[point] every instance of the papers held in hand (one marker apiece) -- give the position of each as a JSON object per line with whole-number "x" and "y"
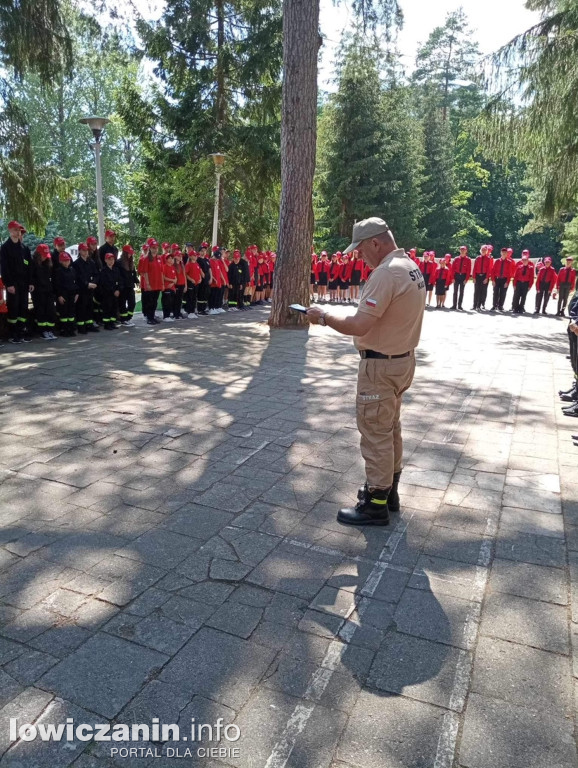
{"x": 298, "y": 308}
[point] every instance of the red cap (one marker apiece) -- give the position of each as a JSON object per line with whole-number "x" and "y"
{"x": 412, "y": 250}
{"x": 510, "y": 251}
{"x": 64, "y": 257}
{"x": 91, "y": 240}
{"x": 169, "y": 255}
{"x": 82, "y": 247}
{"x": 43, "y": 249}
{"x": 548, "y": 258}
{"x": 204, "y": 245}
{"x": 175, "y": 247}
{"x": 178, "y": 254}
{"x": 569, "y": 258}
{"x": 152, "y": 243}
{"x": 128, "y": 249}
{"x": 525, "y": 253}
{"x": 215, "y": 248}
{"x": 23, "y": 229}
{"x": 324, "y": 253}
{"x": 109, "y": 256}
{"x": 166, "y": 246}
{"x": 490, "y": 247}
{"x": 14, "y": 225}
{"x": 448, "y": 256}
{"x": 110, "y": 233}
{"x": 463, "y": 247}
{"x": 59, "y": 241}
{"x": 238, "y": 253}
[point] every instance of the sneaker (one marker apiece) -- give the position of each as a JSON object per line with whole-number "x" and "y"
{"x": 52, "y": 337}
{"x": 168, "y": 319}
{"x": 233, "y": 309}
{"x": 151, "y": 322}
{"x": 212, "y": 312}
{"x": 46, "y": 335}
{"x": 193, "y": 316}
{"x": 26, "y": 339}
{"x": 185, "y": 316}
{"x": 15, "y": 340}
{"x": 129, "y": 324}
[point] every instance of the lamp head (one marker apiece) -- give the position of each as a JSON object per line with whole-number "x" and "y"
{"x": 96, "y": 125}
{"x": 218, "y": 159}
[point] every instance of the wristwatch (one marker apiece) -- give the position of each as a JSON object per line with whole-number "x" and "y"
{"x": 322, "y": 320}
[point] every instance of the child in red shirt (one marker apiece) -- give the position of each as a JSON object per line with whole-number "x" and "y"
{"x": 180, "y": 286}
{"x": 169, "y": 288}
{"x": 194, "y": 276}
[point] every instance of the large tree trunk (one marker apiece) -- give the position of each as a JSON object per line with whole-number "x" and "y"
{"x": 298, "y": 146}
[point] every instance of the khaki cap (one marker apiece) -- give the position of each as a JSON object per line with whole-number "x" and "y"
{"x": 366, "y": 229}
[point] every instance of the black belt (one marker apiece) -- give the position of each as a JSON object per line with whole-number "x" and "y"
{"x": 370, "y": 354}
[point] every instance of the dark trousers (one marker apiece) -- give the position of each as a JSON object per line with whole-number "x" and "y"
{"x": 542, "y": 298}
{"x": 126, "y": 304}
{"x": 17, "y": 306}
{"x": 520, "y": 293}
{"x": 84, "y": 309}
{"x": 149, "y": 301}
{"x": 67, "y": 312}
{"x": 500, "y": 290}
{"x": 216, "y": 298}
{"x": 237, "y": 296}
{"x": 44, "y": 309}
{"x": 109, "y": 308}
{"x": 168, "y": 302}
{"x": 573, "y": 352}
{"x": 97, "y": 306}
{"x": 202, "y": 297}
{"x": 459, "y": 285}
{"x": 178, "y": 301}
{"x": 480, "y": 291}
{"x": 563, "y": 293}
{"x": 191, "y": 300}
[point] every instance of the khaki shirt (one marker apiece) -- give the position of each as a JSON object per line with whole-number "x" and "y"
{"x": 394, "y": 293}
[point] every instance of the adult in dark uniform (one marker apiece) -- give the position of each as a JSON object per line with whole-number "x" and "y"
{"x": 108, "y": 246}
{"x": 386, "y": 331}
{"x": 238, "y": 276}
{"x": 15, "y": 273}
{"x": 204, "y": 286}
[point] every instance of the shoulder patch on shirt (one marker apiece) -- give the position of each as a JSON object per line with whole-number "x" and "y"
{"x": 371, "y": 302}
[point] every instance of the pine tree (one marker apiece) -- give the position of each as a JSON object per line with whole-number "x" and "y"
{"x": 439, "y": 188}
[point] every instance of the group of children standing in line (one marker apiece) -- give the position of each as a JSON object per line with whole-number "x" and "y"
{"x": 98, "y": 288}
{"x": 337, "y": 279}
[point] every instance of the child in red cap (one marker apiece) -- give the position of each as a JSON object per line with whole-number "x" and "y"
{"x": 169, "y": 288}
{"x": 128, "y": 281}
{"x": 66, "y": 290}
{"x": 43, "y": 293}
{"x": 109, "y": 285}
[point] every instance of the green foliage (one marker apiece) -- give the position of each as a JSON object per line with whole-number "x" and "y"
{"x": 533, "y": 114}
{"x": 439, "y": 219}
{"x": 570, "y": 241}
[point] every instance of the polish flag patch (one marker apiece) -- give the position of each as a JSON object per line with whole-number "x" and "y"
{"x": 371, "y": 302}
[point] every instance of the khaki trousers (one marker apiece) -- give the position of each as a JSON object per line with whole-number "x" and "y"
{"x": 380, "y": 386}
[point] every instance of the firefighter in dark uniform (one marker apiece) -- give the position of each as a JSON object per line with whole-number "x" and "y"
{"x": 15, "y": 273}
{"x": 204, "y": 287}
{"x": 87, "y": 280}
{"x": 66, "y": 290}
{"x": 108, "y": 246}
{"x": 59, "y": 247}
{"x": 109, "y": 284}
{"x": 238, "y": 278}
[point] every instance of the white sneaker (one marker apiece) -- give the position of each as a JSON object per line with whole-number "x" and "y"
{"x": 130, "y": 324}
{"x": 46, "y": 335}
{"x": 221, "y": 311}
{"x": 168, "y": 319}
{"x": 185, "y": 316}
{"x": 233, "y": 309}
{"x": 193, "y": 317}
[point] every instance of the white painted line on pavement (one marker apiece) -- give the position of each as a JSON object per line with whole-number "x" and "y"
{"x": 321, "y": 677}
{"x": 446, "y": 749}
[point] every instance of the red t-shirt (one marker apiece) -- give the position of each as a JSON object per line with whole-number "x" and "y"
{"x": 180, "y": 270}
{"x": 193, "y": 272}
{"x": 169, "y": 273}
{"x": 154, "y": 269}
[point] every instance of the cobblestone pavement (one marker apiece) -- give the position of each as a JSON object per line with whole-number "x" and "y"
{"x": 168, "y": 548}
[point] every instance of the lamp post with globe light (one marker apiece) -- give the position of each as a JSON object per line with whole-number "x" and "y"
{"x": 219, "y": 160}
{"x": 97, "y": 125}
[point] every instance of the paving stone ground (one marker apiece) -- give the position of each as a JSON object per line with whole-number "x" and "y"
{"x": 169, "y": 549}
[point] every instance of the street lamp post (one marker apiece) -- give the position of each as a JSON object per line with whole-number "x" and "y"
{"x": 96, "y": 125}
{"x": 219, "y": 160}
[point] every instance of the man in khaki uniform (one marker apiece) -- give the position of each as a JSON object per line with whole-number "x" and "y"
{"x": 386, "y": 331}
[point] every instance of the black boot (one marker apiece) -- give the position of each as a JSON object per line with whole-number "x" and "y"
{"x": 569, "y": 397}
{"x": 393, "y": 504}
{"x": 572, "y": 411}
{"x": 371, "y": 510}
{"x": 567, "y": 391}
